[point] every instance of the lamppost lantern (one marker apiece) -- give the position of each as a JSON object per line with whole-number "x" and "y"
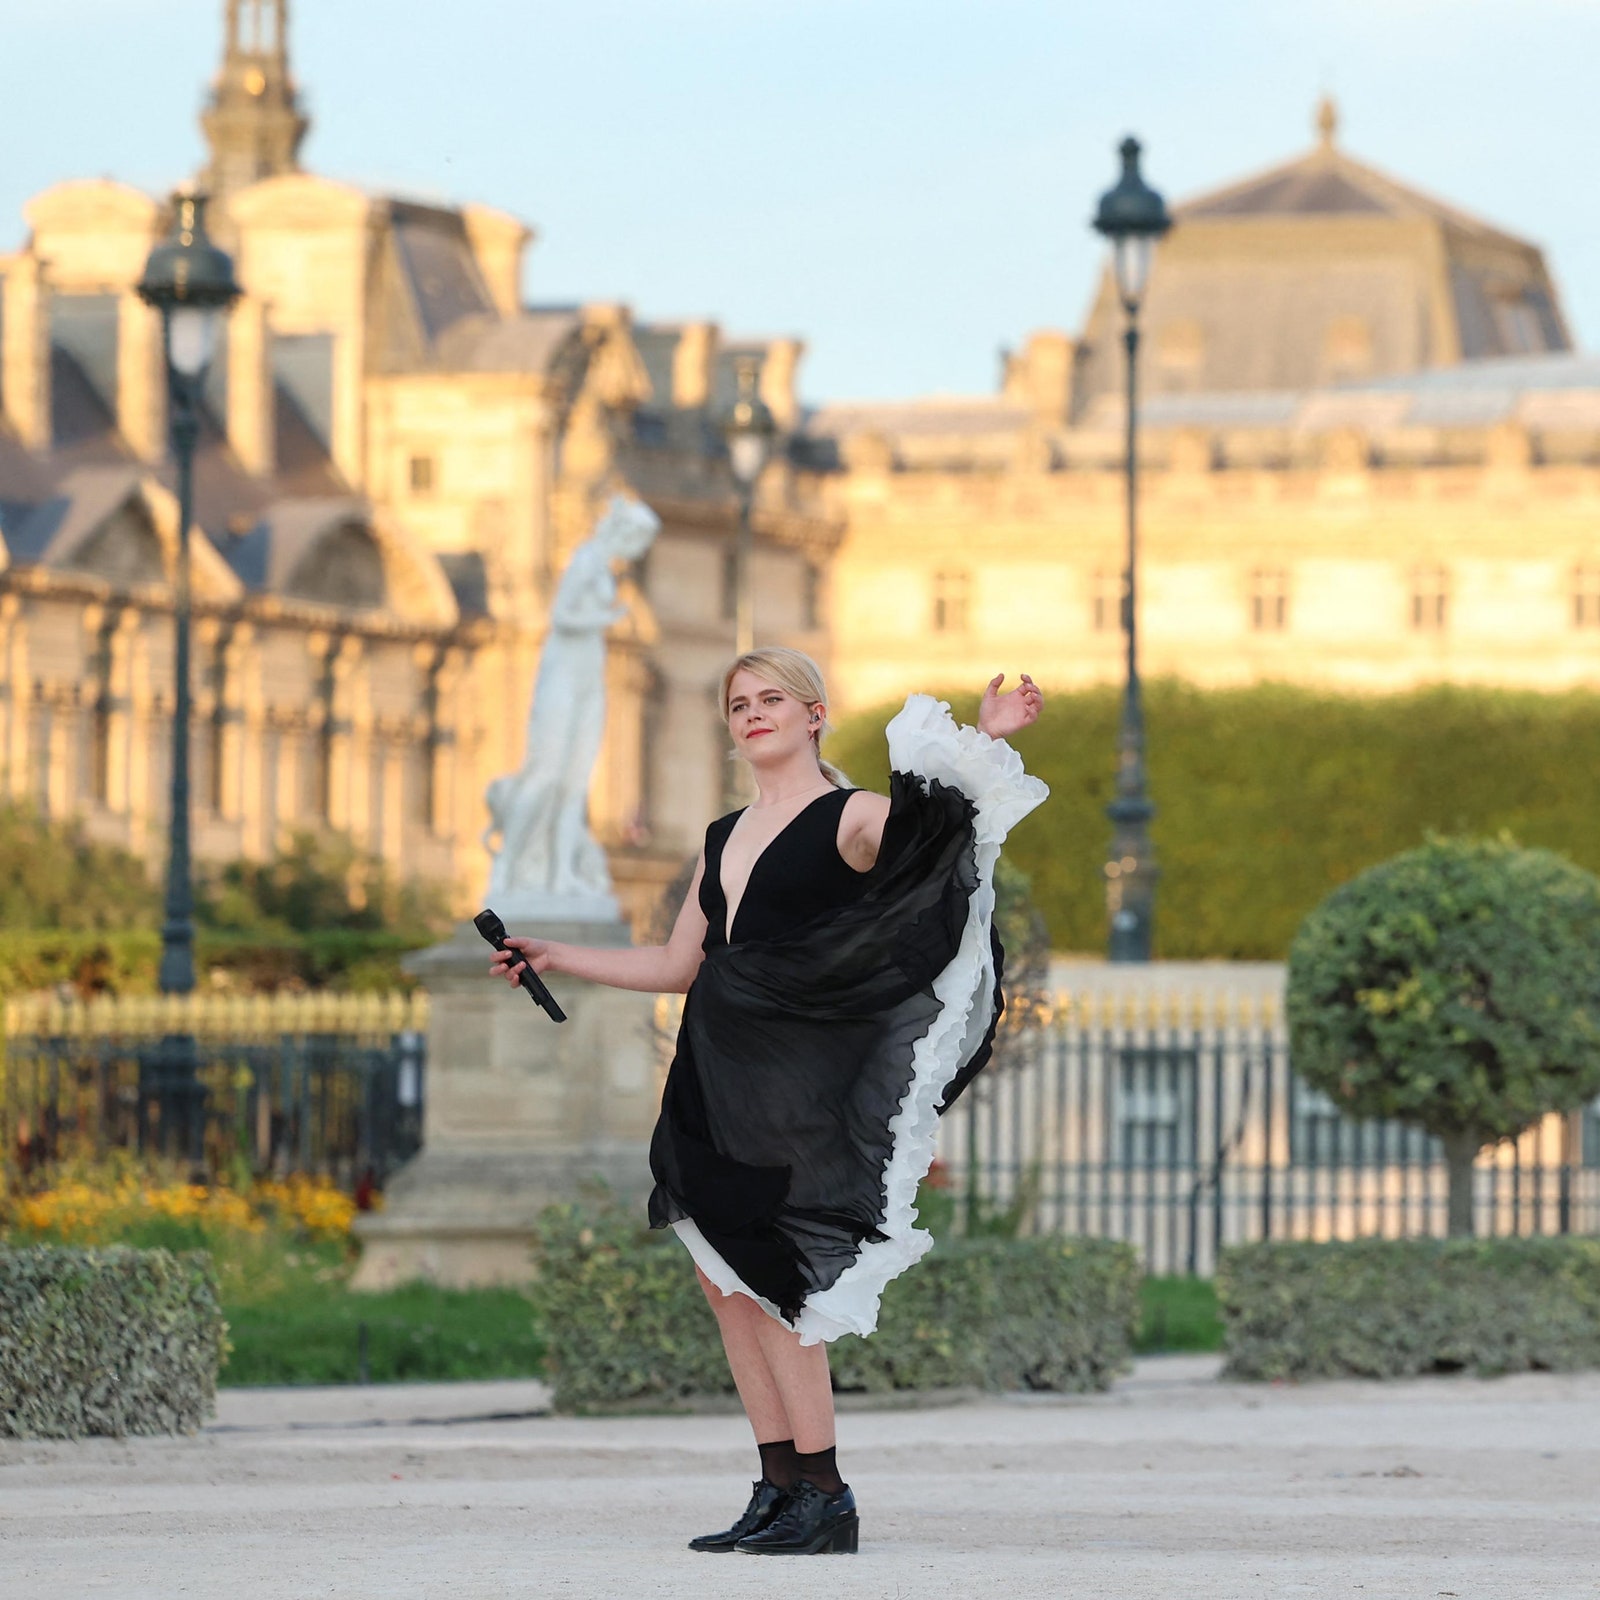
{"x": 749, "y": 428}
{"x": 1132, "y": 216}
{"x": 191, "y": 283}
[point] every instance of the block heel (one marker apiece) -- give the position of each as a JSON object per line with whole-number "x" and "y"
{"x": 811, "y": 1523}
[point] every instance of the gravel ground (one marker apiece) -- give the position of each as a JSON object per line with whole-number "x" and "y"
{"x": 1174, "y": 1485}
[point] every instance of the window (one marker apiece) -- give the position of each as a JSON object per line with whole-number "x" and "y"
{"x": 810, "y": 598}
{"x": 1430, "y": 599}
{"x": 1321, "y": 1135}
{"x": 951, "y": 591}
{"x": 1586, "y": 597}
{"x": 1153, "y": 1109}
{"x": 1517, "y": 323}
{"x": 1347, "y": 348}
{"x": 1269, "y": 600}
{"x": 1591, "y": 1134}
{"x": 421, "y": 474}
{"x": 1105, "y": 601}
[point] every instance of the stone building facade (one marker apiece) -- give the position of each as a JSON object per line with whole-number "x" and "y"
{"x": 396, "y": 459}
{"x": 1370, "y": 459}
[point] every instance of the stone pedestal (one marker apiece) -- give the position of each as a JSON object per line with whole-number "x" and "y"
{"x": 520, "y": 1112}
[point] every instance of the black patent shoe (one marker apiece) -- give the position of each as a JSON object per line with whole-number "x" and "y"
{"x": 766, "y": 1501}
{"x": 811, "y": 1523}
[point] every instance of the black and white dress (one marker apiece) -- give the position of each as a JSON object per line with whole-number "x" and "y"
{"x": 828, "y": 1028}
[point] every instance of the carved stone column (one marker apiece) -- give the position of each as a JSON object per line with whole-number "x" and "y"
{"x": 16, "y": 687}
{"x": 341, "y": 692}
{"x": 121, "y": 632}
{"x": 141, "y": 732}
{"x": 288, "y": 746}
{"x": 59, "y": 799}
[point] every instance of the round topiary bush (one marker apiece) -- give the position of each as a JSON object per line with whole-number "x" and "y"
{"x": 1455, "y": 987}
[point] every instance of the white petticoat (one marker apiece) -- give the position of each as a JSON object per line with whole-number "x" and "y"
{"x": 925, "y": 739}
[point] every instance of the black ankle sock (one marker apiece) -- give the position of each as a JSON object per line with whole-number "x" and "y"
{"x": 780, "y": 1463}
{"x": 818, "y": 1467}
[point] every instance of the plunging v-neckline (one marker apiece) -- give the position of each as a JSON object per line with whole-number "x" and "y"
{"x": 730, "y": 913}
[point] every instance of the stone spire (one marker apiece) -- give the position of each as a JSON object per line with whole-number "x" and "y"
{"x": 253, "y": 123}
{"x": 1327, "y": 122}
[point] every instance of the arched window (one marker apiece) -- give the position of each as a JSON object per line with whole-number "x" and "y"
{"x": 951, "y": 594}
{"x": 1430, "y": 599}
{"x": 343, "y": 568}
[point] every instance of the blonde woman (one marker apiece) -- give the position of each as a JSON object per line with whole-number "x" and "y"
{"x": 842, "y": 984}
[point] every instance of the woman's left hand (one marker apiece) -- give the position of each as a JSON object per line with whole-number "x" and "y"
{"x": 1001, "y": 715}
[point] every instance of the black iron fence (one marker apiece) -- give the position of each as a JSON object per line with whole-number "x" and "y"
{"x": 329, "y": 1084}
{"x": 1178, "y": 1125}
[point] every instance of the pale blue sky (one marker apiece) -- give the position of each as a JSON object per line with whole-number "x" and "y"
{"x": 904, "y": 183}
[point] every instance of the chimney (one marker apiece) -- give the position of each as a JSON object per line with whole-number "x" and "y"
{"x": 141, "y": 378}
{"x": 498, "y": 241}
{"x": 252, "y": 418}
{"x": 694, "y": 365}
{"x": 1041, "y": 377}
{"x": 25, "y": 360}
{"x": 779, "y": 371}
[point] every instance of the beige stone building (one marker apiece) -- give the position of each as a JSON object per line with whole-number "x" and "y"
{"x": 397, "y": 457}
{"x": 1370, "y": 460}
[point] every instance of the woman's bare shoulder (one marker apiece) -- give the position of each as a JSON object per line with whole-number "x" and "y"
{"x": 861, "y": 827}
{"x": 865, "y": 803}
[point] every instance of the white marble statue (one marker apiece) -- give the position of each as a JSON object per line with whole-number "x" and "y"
{"x": 547, "y": 864}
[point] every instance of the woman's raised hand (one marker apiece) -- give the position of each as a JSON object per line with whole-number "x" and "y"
{"x": 519, "y": 953}
{"x": 1001, "y": 715}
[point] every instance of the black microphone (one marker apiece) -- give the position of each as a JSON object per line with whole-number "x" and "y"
{"x": 494, "y": 930}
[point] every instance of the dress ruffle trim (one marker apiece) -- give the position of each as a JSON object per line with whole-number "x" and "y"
{"x": 923, "y": 739}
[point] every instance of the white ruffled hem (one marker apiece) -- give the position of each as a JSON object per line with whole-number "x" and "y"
{"x": 925, "y": 739}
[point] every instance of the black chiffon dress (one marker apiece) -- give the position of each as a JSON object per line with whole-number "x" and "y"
{"x": 821, "y": 1039}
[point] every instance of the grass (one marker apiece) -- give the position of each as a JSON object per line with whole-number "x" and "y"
{"x": 293, "y": 1318}
{"x": 1178, "y": 1314}
{"x": 414, "y": 1334}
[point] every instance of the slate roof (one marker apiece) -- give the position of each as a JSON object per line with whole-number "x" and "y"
{"x": 1326, "y": 181}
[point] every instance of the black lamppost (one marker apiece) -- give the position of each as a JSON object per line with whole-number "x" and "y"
{"x": 190, "y": 282}
{"x": 1132, "y": 216}
{"x": 749, "y": 428}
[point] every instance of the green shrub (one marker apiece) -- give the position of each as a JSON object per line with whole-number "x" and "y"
{"x": 1391, "y": 1308}
{"x": 53, "y": 875}
{"x": 126, "y": 961}
{"x": 1457, "y": 988}
{"x": 113, "y": 1341}
{"x": 627, "y": 1321}
{"x": 1269, "y": 797}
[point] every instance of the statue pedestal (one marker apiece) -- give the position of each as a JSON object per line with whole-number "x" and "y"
{"x": 520, "y": 1112}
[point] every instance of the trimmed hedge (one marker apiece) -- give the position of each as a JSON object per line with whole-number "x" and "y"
{"x": 628, "y": 1323}
{"x": 126, "y": 961}
{"x": 1393, "y": 1308}
{"x": 1267, "y": 798}
{"x": 113, "y": 1341}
